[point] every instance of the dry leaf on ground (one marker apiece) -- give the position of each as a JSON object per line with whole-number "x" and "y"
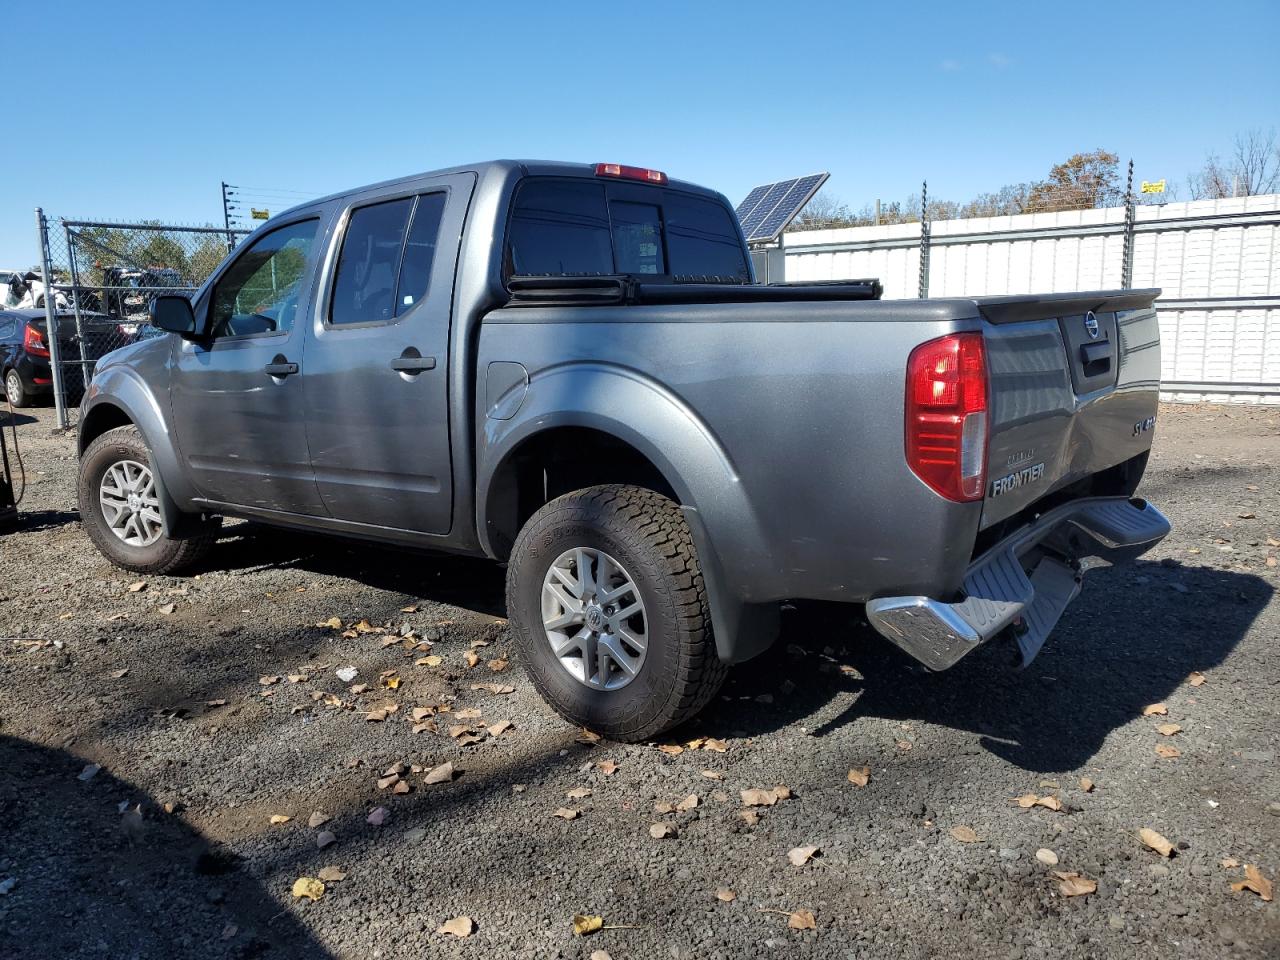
{"x": 670, "y": 749}
{"x": 688, "y": 803}
{"x": 280, "y": 818}
{"x": 713, "y": 774}
{"x": 758, "y": 797}
{"x": 499, "y": 728}
{"x": 1047, "y": 857}
{"x": 964, "y": 834}
{"x": 1255, "y": 881}
{"x": 717, "y": 746}
{"x": 799, "y": 856}
{"x": 1155, "y": 710}
{"x": 1168, "y": 729}
{"x": 662, "y": 831}
{"x": 459, "y": 927}
{"x": 566, "y": 813}
{"x": 471, "y": 658}
{"x": 1086, "y": 784}
{"x": 1156, "y": 842}
{"x": 331, "y": 874}
{"x": 588, "y": 737}
{"x": 317, "y": 819}
{"x": 268, "y": 681}
{"x": 860, "y": 776}
{"x": 308, "y": 887}
{"x": 498, "y": 664}
{"x": 1166, "y": 752}
{"x": 498, "y": 688}
{"x": 584, "y": 924}
{"x": 607, "y": 767}
{"x": 1195, "y": 678}
{"x": 577, "y": 793}
{"x": 750, "y": 816}
{"x": 1074, "y": 885}
{"x": 600, "y": 955}
{"x": 725, "y": 894}
{"x": 135, "y": 587}
{"x": 441, "y": 774}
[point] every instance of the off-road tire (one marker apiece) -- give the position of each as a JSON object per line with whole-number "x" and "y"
{"x": 15, "y": 390}
{"x": 648, "y": 535}
{"x": 165, "y": 555}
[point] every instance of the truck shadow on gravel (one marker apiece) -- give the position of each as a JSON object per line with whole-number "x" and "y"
{"x": 1129, "y": 640}
{"x": 90, "y": 880}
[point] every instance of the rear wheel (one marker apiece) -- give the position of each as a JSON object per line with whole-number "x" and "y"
{"x": 607, "y": 602}
{"x": 15, "y": 390}
{"x": 120, "y": 507}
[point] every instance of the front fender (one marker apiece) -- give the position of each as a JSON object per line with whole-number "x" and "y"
{"x": 642, "y": 413}
{"x": 122, "y": 388}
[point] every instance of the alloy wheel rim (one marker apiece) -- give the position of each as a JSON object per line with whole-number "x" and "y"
{"x": 130, "y": 503}
{"x": 594, "y": 618}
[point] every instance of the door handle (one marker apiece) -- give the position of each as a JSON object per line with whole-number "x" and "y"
{"x": 279, "y": 367}
{"x": 411, "y": 362}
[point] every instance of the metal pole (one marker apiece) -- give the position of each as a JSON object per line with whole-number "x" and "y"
{"x": 1126, "y": 264}
{"x": 226, "y": 218}
{"x": 85, "y": 370}
{"x": 51, "y": 318}
{"x": 924, "y": 240}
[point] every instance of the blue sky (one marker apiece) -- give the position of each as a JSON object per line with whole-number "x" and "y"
{"x": 153, "y": 105}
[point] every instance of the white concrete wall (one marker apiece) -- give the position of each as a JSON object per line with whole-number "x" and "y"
{"x": 1210, "y": 343}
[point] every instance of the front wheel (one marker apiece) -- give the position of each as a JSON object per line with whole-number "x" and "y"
{"x": 610, "y": 614}
{"x": 120, "y": 507}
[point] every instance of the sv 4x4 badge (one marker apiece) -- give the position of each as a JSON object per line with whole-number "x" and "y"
{"x": 1142, "y": 426}
{"x": 1019, "y": 478}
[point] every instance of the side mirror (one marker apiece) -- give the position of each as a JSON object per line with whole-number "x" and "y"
{"x": 173, "y": 314}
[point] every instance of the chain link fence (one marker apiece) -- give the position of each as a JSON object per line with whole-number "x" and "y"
{"x": 97, "y": 283}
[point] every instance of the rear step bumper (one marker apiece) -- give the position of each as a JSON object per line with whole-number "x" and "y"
{"x": 998, "y": 591}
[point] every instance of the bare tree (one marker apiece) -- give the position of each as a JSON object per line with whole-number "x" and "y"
{"x": 1252, "y": 168}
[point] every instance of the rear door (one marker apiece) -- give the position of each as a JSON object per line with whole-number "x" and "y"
{"x": 1075, "y": 384}
{"x": 376, "y": 381}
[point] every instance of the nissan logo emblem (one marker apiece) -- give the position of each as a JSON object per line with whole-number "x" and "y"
{"x": 1091, "y": 324}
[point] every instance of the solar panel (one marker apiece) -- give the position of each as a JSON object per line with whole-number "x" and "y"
{"x": 769, "y": 208}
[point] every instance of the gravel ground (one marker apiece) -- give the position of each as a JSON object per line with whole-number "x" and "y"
{"x": 168, "y": 850}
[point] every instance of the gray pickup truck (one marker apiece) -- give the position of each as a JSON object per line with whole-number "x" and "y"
{"x": 567, "y": 368}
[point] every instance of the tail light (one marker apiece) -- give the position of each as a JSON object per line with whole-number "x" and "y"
{"x": 623, "y": 172}
{"x": 947, "y": 415}
{"x": 33, "y": 342}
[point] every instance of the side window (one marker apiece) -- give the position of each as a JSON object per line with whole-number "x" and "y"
{"x": 259, "y": 292}
{"x": 560, "y": 228}
{"x": 364, "y": 289}
{"x": 419, "y": 252}
{"x": 637, "y": 237}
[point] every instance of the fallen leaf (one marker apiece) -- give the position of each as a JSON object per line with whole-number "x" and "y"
{"x": 662, "y": 831}
{"x": 392, "y": 682}
{"x": 432, "y": 661}
{"x": 583, "y": 924}
{"x": 166, "y": 608}
{"x": 498, "y": 688}
{"x": 1026, "y": 801}
{"x": 588, "y": 737}
{"x": 1049, "y": 803}
{"x": 696, "y": 743}
{"x": 308, "y": 887}
{"x": 401, "y": 788}
{"x": 717, "y": 746}
{"x": 498, "y": 664}
{"x": 317, "y": 819}
{"x": 757, "y": 797}
{"x": 1154, "y": 710}
{"x": 577, "y": 793}
{"x": 421, "y": 713}
{"x": 324, "y": 838}
{"x": 713, "y": 774}
{"x": 268, "y": 681}
{"x": 1166, "y": 752}
{"x": 664, "y": 806}
{"x": 459, "y": 927}
{"x": 566, "y": 813}
{"x": 687, "y": 804}
{"x": 1255, "y": 881}
{"x": 1230, "y": 863}
{"x": 600, "y": 955}
{"x": 964, "y": 834}
{"x": 1196, "y": 678}
{"x": 1086, "y": 785}
{"x": 471, "y": 713}
{"x": 799, "y": 856}
{"x": 331, "y": 874}
{"x": 1169, "y": 729}
{"x": 499, "y": 728}
{"x": 670, "y": 749}
{"x": 1156, "y": 842}
{"x": 364, "y": 626}
{"x": 750, "y": 816}
{"x": 280, "y": 818}
{"x": 904, "y": 745}
{"x": 607, "y": 767}
{"x": 378, "y": 816}
{"x": 390, "y": 780}
{"x": 725, "y": 895}
{"x": 1074, "y": 885}
{"x": 135, "y": 587}
{"x": 860, "y": 776}
{"x": 429, "y": 725}
{"x": 441, "y": 774}
{"x": 802, "y": 920}
{"x": 119, "y": 674}
{"x": 333, "y": 623}
{"x": 471, "y": 658}
{"x": 412, "y": 608}
{"x": 1047, "y": 857}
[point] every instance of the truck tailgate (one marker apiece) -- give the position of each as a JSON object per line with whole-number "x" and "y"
{"x": 1074, "y": 387}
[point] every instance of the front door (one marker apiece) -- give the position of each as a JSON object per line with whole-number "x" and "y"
{"x": 238, "y": 409}
{"x": 376, "y": 380}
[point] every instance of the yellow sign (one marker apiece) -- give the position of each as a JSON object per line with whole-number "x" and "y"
{"x": 1153, "y": 186}
{"x": 266, "y": 214}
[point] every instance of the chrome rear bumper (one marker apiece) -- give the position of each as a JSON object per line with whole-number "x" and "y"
{"x": 1000, "y": 591}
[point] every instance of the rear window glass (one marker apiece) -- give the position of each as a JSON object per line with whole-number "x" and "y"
{"x": 579, "y": 228}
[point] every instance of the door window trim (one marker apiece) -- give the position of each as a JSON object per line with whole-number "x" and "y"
{"x": 212, "y": 342}
{"x": 340, "y": 237}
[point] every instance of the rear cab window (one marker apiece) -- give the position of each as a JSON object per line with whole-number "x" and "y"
{"x": 586, "y": 228}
